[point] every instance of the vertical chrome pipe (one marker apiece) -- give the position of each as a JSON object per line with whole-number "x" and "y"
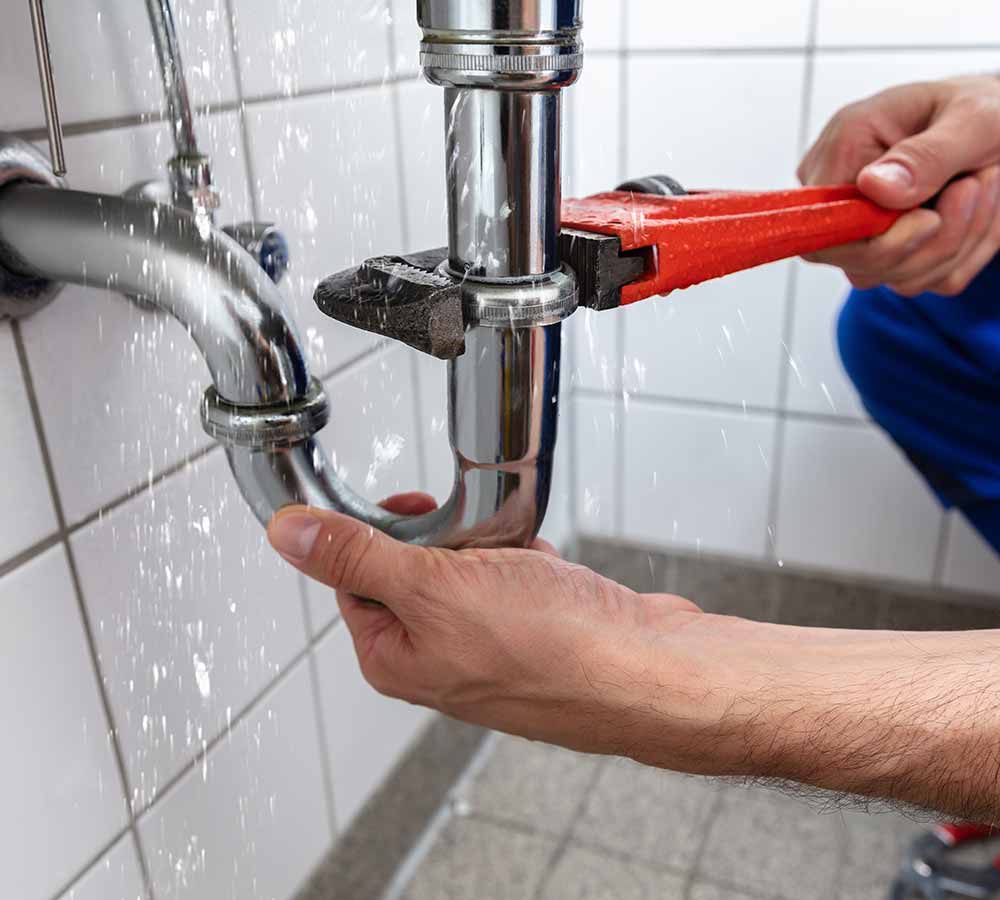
{"x": 47, "y": 83}
{"x": 502, "y": 149}
{"x": 161, "y": 19}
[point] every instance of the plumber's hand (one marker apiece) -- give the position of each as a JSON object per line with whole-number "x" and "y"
{"x": 517, "y": 640}
{"x": 902, "y": 147}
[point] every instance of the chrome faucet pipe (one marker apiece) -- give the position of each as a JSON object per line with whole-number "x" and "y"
{"x": 196, "y": 273}
{"x": 168, "y": 53}
{"x": 265, "y": 407}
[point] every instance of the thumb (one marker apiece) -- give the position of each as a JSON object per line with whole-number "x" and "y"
{"x": 348, "y": 555}
{"x": 918, "y": 167}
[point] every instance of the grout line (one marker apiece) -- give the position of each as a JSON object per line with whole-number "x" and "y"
{"x": 25, "y": 556}
{"x": 248, "y": 165}
{"x": 63, "y": 538}
{"x": 324, "y": 750}
{"x": 29, "y": 553}
{"x": 156, "y": 479}
{"x": 940, "y": 552}
{"x": 694, "y": 873}
{"x": 444, "y": 814}
{"x": 675, "y": 50}
{"x": 725, "y": 406}
{"x": 226, "y": 732}
{"x": 791, "y": 304}
{"x": 380, "y": 348}
{"x": 620, "y": 407}
{"x": 113, "y": 123}
{"x": 567, "y": 836}
{"x": 71, "y": 882}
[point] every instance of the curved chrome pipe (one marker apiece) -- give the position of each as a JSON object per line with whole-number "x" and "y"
{"x": 503, "y": 402}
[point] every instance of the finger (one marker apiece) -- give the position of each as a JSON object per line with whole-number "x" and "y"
{"x": 962, "y": 139}
{"x": 958, "y": 208}
{"x": 980, "y": 244}
{"x": 414, "y": 503}
{"x": 879, "y": 255}
{"x": 346, "y": 554}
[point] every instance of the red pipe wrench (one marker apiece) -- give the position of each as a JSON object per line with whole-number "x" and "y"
{"x": 625, "y": 245}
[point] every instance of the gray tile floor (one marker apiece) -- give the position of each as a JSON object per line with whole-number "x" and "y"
{"x": 540, "y": 823}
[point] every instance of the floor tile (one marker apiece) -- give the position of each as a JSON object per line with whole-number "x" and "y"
{"x": 366, "y": 857}
{"x": 115, "y": 877}
{"x": 641, "y": 570}
{"x": 826, "y": 603}
{"x": 20, "y": 453}
{"x": 194, "y": 614}
{"x": 250, "y": 820}
{"x": 650, "y": 814}
{"x": 58, "y": 779}
{"x": 366, "y": 733}
{"x": 584, "y": 874}
{"x": 726, "y": 588}
{"x": 915, "y": 613}
{"x": 533, "y": 784}
{"x": 876, "y": 846}
{"x": 707, "y": 890}
{"x": 474, "y": 859}
{"x": 773, "y": 845}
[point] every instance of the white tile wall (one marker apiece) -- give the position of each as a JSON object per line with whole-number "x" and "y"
{"x": 250, "y": 819}
{"x": 817, "y": 382}
{"x": 850, "y": 501}
{"x": 326, "y": 169}
{"x": 596, "y": 439}
{"x": 970, "y": 563}
{"x": 653, "y": 24}
{"x": 303, "y": 45}
{"x": 364, "y": 730}
{"x": 725, "y": 96}
{"x": 115, "y": 877}
{"x": 898, "y": 23}
{"x": 104, "y": 61}
{"x": 715, "y": 121}
{"x": 28, "y": 493}
{"x": 371, "y": 440}
{"x": 62, "y": 794}
{"x": 719, "y": 341}
{"x": 714, "y": 96}
{"x": 697, "y": 478}
{"x": 193, "y": 616}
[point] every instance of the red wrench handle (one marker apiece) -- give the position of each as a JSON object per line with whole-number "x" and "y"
{"x": 699, "y": 236}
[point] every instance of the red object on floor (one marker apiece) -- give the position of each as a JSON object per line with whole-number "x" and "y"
{"x": 702, "y": 235}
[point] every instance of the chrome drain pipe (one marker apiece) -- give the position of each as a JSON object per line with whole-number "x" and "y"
{"x": 502, "y": 65}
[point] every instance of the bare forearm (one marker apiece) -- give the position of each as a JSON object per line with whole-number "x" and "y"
{"x": 908, "y": 717}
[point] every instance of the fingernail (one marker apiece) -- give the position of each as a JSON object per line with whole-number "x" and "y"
{"x": 293, "y": 536}
{"x": 893, "y": 173}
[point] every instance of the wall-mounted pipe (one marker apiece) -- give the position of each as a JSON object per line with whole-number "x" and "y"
{"x": 503, "y": 392}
